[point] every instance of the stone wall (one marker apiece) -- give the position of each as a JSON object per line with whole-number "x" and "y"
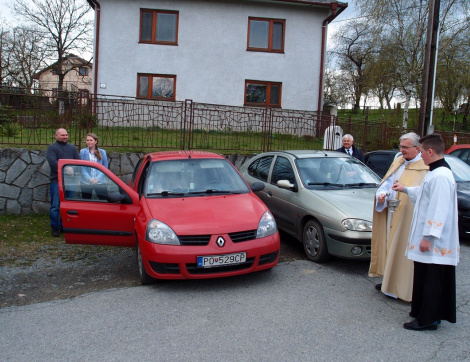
{"x": 24, "y": 178}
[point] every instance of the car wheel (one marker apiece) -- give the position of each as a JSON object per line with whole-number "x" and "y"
{"x": 145, "y": 279}
{"x": 314, "y": 242}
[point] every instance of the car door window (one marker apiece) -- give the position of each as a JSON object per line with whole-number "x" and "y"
{"x": 87, "y": 183}
{"x": 282, "y": 171}
{"x": 260, "y": 168}
{"x": 465, "y": 156}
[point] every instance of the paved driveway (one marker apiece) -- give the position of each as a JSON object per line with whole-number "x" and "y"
{"x": 299, "y": 311}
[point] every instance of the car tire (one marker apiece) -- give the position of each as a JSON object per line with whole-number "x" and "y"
{"x": 145, "y": 279}
{"x": 313, "y": 240}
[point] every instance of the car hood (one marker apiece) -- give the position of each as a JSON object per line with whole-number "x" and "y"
{"x": 357, "y": 203}
{"x": 209, "y": 214}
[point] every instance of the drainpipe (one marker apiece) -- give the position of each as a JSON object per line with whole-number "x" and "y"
{"x": 334, "y": 13}
{"x": 97, "y": 8}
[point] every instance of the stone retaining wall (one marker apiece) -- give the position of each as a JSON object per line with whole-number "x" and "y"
{"x": 24, "y": 178}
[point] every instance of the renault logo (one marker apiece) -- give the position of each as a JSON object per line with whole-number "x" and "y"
{"x": 220, "y": 241}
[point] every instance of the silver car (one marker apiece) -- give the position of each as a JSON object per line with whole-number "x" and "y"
{"x": 322, "y": 198}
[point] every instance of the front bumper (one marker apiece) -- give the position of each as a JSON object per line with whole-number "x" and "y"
{"x": 180, "y": 261}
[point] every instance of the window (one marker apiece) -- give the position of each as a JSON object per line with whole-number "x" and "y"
{"x": 260, "y": 168}
{"x": 259, "y": 93}
{"x": 77, "y": 186}
{"x": 282, "y": 171}
{"x": 159, "y": 27}
{"x": 156, "y": 86}
{"x": 266, "y": 35}
{"x": 83, "y": 71}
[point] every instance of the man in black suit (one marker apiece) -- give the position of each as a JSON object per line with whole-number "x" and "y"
{"x": 349, "y": 149}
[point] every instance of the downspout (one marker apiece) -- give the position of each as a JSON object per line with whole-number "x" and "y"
{"x": 329, "y": 19}
{"x": 97, "y": 8}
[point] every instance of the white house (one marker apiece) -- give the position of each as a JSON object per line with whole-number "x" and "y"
{"x": 257, "y": 53}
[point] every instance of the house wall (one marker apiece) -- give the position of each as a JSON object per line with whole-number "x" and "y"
{"x": 211, "y": 61}
{"x": 47, "y": 80}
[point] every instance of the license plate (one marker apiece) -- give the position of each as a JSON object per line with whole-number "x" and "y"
{"x": 210, "y": 261}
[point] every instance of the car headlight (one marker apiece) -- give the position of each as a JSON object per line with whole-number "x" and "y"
{"x": 160, "y": 233}
{"x": 267, "y": 226}
{"x": 357, "y": 224}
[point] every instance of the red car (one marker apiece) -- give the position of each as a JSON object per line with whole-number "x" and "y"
{"x": 461, "y": 151}
{"x": 189, "y": 214}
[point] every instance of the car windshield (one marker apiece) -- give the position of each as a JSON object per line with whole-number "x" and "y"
{"x": 336, "y": 172}
{"x": 193, "y": 177}
{"x": 459, "y": 168}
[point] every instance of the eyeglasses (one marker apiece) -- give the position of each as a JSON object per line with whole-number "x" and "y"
{"x": 407, "y": 147}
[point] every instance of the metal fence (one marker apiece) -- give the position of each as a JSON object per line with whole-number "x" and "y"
{"x": 130, "y": 124}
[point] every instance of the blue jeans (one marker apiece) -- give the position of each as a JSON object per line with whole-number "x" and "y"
{"x": 54, "y": 213}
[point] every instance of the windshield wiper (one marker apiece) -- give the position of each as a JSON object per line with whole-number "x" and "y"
{"x": 213, "y": 191}
{"x": 324, "y": 184}
{"x": 359, "y": 184}
{"x": 166, "y": 193}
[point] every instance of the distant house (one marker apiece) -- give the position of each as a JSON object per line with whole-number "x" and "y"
{"x": 78, "y": 77}
{"x": 267, "y": 53}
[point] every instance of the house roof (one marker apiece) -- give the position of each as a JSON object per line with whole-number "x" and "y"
{"x": 341, "y": 4}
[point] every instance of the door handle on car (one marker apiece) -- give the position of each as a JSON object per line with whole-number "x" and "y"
{"x": 72, "y": 212}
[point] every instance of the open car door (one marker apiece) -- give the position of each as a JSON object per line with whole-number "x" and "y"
{"x": 102, "y": 214}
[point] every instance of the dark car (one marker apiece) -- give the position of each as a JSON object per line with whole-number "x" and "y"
{"x": 380, "y": 161}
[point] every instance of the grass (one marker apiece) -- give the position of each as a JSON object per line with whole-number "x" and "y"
{"x": 27, "y": 238}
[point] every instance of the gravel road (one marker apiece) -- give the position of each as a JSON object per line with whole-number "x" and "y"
{"x": 67, "y": 271}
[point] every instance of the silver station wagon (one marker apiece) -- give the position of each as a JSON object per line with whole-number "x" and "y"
{"x": 322, "y": 198}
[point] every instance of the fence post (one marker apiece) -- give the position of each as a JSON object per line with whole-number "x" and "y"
{"x": 366, "y": 125}
{"x": 187, "y": 124}
{"x": 267, "y": 129}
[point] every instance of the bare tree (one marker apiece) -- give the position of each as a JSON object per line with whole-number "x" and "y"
{"x": 404, "y": 23}
{"x": 28, "y": 54}
{"x": 354, "y": 48}
{"x": 63, "y": 23}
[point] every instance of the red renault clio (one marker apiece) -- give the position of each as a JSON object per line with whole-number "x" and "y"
{"x": 189, "y": 214}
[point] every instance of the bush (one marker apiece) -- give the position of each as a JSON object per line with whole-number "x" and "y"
{"x": 10, "y": 129}
{"x": 6, "y": 115}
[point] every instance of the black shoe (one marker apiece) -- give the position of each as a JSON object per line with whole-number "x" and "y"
{"x": 414, "y": 326}
{"x": 378, "y": 286}
{"x": 56, "y": 233}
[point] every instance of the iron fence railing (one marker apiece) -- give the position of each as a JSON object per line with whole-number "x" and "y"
{"x": 126, "y": 123}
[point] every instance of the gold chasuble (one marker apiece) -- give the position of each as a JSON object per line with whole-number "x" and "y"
{"x": 388, "y": 256}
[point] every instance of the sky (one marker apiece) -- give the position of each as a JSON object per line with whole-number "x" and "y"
{"x": 346, "y": 15}
{"x": 5, "y": 12}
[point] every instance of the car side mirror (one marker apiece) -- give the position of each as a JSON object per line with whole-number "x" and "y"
{"x": 285, "y": 184}
{"x": 117, "y": 197}
{"x": 257, "y": 186}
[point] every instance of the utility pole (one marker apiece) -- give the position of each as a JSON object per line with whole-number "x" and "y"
{"x": 430, "y": 61}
